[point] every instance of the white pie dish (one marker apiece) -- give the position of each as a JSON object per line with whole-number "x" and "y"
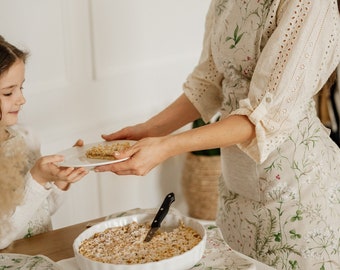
{"x": 181, "y": 262}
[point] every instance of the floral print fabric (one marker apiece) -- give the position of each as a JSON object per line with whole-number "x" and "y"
{"x": 280, "y": 193}
{"x": 26, "y": 262}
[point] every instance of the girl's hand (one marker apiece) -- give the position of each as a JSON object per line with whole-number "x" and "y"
{"x": 79, "y": 142}
{"x": 45, "y": 170}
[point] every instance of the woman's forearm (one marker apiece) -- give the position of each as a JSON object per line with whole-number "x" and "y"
{"x": 175, "y": 116}
{"x": 226, "y": 132}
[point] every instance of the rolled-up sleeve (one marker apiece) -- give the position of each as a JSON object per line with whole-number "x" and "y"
{"x": 296, "y": 61}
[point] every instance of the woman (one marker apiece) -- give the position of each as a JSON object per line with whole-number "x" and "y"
{"x": 261, "y": 65}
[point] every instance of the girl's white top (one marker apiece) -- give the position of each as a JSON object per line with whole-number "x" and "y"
{"x": 33, "y": 215}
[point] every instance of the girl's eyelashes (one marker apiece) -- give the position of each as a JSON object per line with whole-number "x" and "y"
{"x": 7, "y": 94}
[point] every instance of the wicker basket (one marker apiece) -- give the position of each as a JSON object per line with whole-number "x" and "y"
{"x": 200, "y": 185}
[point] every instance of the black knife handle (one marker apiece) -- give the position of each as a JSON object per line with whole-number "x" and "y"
{"x": 163, "y": 210}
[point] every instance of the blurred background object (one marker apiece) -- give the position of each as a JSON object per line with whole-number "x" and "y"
{"x": 328, "y": 106}
{"x": 201, "y": 173}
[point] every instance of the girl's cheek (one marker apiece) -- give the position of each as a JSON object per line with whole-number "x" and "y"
{"x": 4, "y": 110}
{"x": 1, "y": 108}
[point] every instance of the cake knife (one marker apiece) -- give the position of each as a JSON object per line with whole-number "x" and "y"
{"x": 162, "y": 212}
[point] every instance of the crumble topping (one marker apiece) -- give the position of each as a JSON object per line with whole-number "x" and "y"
{"x": 125, "y": 244}
{"x": 106, "y": 151}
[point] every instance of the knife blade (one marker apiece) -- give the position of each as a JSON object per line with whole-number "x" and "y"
{"x": 162, "y": 212}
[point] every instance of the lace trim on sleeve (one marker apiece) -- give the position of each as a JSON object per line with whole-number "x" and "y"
{"x": 203, "y": 85}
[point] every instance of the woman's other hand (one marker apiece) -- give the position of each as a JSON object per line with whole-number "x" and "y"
{"x": 135, "y": 132}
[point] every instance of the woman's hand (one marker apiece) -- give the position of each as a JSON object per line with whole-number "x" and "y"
{"x": 143, "y": 156}
{"x": 135, "y": 132}
{"x": 45, "y": 170}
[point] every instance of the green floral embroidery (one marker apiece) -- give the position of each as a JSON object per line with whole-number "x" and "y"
{"x": 294, "y": 235}
{"x": 220, "y": 6}
{"x": 235, "y": 38}
{"x": 255, "y": 16}
{"x": 293, "y": 264}
{"x": 298, "y": 216}
{"x": 29, "y": 233}
{"x": 211, "y": 227}
{"x": 21, "y": 261}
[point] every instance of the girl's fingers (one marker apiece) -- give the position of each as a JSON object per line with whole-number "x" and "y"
{"x": 52, "y": 159}
{"x": 77, "y": 174}
{"x": 70, "y": 174}
{"x": 79, "y": 142}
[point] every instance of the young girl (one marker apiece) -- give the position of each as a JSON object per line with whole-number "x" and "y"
{"x": 31, "y": 187}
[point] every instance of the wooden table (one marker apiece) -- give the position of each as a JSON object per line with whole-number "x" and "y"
{"x": 57, "y": 244}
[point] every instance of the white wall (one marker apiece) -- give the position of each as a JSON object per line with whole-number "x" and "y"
{"x": 96, "y": 66}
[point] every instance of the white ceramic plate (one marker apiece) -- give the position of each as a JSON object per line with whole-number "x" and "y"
{"x": 75, "y": 156}
{"x": 180, "y": 262}
{"x": 26, "y": 262}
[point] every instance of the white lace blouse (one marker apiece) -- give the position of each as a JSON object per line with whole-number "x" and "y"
{"x": 33, "y": 215}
